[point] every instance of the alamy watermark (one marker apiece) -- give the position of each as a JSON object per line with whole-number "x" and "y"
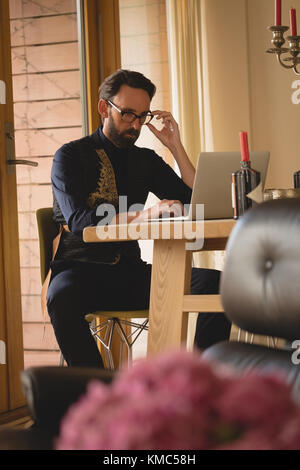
{"x": 148, "y": 229}
{"x": 2, "y": 92}
{"x": 296, "y": 354}
{"x": 296, "y": 94}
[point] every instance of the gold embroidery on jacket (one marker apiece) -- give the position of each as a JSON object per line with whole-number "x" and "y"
{"x": 106, "y": 190}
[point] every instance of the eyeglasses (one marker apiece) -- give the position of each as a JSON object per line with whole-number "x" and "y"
{"x": 129, "y": 116}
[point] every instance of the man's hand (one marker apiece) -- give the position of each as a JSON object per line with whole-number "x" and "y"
{"x": 169, "y": 134}
{"x": 170, "y": 137}
{"x": 164, "y": 208}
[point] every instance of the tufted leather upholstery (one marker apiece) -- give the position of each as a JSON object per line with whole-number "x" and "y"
{"x": 260, "y": 287}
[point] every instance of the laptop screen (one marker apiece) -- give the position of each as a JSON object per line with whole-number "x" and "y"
{"x": 212, "y": 185}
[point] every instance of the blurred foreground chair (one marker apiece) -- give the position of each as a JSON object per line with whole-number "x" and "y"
{"x": 260, "y": 290}
{"x": 49, "y": 392}
{"x": 104, "y": 325}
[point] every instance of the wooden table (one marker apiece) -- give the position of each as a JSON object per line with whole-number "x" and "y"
{"x": 170, "y": 301}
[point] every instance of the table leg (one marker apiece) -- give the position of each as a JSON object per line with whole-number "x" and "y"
{"x": 171, "y": 276}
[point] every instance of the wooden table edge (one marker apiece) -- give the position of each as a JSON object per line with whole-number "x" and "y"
{"x": 188, "y": 230}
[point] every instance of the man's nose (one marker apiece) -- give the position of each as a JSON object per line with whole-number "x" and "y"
{"x": 137, "y": 125}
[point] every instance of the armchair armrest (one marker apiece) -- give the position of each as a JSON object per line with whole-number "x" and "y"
{"x": 50, "y": 391}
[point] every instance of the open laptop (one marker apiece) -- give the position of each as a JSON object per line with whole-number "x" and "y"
{"x": 212, "y": 184}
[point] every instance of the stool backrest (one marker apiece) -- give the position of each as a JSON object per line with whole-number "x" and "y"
{"x": 47, "y": 230}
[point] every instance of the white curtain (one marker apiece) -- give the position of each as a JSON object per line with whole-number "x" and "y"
{"x": 222, "y": 82}
{"x": 190, "y": 85}
{"x": 188, "y": 74}
{"x": 191, "y": 97}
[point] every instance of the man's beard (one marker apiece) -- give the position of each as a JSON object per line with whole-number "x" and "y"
{"x": 123, "y": 139}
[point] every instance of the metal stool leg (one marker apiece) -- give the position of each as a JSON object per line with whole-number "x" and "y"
{"x": 115, "y": 325}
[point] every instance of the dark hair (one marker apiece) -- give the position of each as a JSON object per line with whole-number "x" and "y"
{"x": 112, "y": 84}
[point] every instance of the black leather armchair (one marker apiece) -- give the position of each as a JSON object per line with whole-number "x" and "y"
{"x": 260, "y": 289}
{"x": 49, "y": 392}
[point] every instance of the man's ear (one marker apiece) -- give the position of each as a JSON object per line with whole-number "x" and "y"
{"x": 103, "y": 108}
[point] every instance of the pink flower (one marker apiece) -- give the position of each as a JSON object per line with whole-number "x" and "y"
{"x": 177, "y": 401}
{"x": 254, "y": 399}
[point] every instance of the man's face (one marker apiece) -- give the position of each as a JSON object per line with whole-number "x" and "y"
{"x": 123, "y": 134}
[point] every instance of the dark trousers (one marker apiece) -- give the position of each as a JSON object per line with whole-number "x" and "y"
{"x": 77, "y": 290}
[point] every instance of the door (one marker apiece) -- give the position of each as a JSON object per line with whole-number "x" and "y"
{"x": 11, "y": 338}
{"x": 48, "y": 99}
{"x": 51, "y": 64}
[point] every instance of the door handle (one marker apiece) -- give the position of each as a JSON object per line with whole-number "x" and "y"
{"x": 21, "y": 162}
{"x": 10, "y": 148}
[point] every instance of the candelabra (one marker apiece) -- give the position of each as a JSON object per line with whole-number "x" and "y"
{"x": 293, "y": 49}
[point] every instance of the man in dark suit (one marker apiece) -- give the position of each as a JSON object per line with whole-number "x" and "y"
{"x": 89, "y": 177}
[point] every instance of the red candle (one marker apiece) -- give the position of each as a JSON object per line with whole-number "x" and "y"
{"x": 244, "y": 146}
{"x": 293, "y": 21}
{"x": 278, "y": 12}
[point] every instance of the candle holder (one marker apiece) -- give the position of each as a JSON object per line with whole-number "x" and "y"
{"x": 278, "y": 40}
